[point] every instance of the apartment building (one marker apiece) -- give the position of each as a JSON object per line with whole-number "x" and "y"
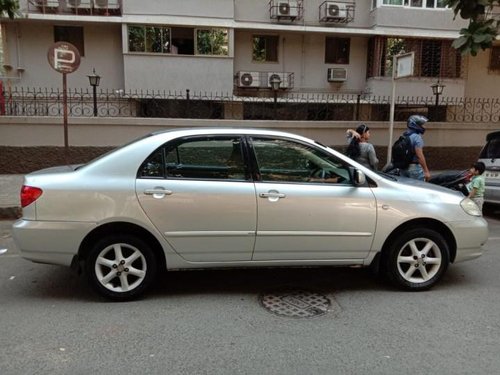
{"x": 240, "y": 47}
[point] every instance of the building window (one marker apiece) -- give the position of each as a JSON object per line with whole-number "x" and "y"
{"x": 177, "y": 40}
{"x": 265, "y": 48}
{"x": 337, "y": 50}
{"x": 433, "y": 58}
{"x": 495, "y": 58}
{"x": 154, "y": 39}
{"x": 212, "y": 42}
{"x": 70, "y": 34}
{"x": 416, "y": 3}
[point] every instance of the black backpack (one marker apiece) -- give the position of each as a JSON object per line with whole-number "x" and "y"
{"x": 402, "y": 152}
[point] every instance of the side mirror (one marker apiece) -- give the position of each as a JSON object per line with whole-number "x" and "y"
{"x": 359, "y": 177}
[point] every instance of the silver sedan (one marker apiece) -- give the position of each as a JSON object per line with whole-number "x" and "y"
{"x": 206, "y": 198}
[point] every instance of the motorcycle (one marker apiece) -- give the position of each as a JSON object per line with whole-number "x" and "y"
{"x": 452, "y": 179}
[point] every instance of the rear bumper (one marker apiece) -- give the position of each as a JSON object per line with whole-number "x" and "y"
{"x": 49, "y": 242}
{"x": 492, "y": 193}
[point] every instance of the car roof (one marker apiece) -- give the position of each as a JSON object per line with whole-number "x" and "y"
{"x": 180, "y": 132}
{"x": 224, "y": 129}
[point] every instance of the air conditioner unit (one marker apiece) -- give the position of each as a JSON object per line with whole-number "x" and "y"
{"x": 287, "y": 9}
{"x": 335, "y": 11}
{"x": 78, "y": 4}
{"x": 249, "y": 79}
{"x": 337, "y": 74}
{"x": 284, "y": 77}
{"x": 106, "y": 4}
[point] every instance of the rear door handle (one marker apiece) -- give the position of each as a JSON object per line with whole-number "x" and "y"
{"x": 158, "y": 192}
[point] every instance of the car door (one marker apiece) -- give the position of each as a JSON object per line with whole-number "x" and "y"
{"x": 199, "y": 194}
{"x": 308, "y": 208}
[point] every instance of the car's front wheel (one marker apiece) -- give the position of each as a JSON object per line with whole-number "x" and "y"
{"x": 417, "y": 259}
{"x": 121, "y": 267}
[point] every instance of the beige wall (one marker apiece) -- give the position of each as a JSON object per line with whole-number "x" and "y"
{"x": 29, "y": 43}
{"x": 48, "y": 131}
{"x": 482, "y": 83}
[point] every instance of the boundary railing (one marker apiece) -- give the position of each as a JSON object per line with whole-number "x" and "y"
{"x": 294, "y": 107}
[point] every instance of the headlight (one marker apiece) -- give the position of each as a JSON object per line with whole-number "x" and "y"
{"x": 470, "y": 207}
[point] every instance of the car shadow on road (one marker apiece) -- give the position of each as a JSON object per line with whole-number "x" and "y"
{"x": 60, "y": 283}
{"x": 256, "y": 281}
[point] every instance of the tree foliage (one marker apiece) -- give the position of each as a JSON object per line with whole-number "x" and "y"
{"x": 482, "y": 29}
{"x": 9, "y": 7}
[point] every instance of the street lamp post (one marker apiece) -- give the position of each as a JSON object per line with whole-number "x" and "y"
{"x": 275, "y": 86}
{"x": 94, "y": 80}
{"x": 437, "y": 89}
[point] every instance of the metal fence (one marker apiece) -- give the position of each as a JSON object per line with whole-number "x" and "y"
{"x": 294, "y": 107}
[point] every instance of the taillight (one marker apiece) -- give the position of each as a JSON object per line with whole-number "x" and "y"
{"x": 29, "y": 194}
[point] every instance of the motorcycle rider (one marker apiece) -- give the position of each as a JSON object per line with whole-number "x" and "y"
{"x": 417, "y": 169}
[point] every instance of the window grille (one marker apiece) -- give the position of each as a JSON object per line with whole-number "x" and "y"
{"x": 433, "y": 58}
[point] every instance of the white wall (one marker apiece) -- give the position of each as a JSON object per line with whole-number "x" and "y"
{"x": 178, "y": 73}
{"x": 206, "y": 8}
{"x": 403, "y": 17}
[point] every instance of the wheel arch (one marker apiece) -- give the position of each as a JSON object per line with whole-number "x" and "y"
{"x": 125, "y": 228}
{"x": 427, "y": 223}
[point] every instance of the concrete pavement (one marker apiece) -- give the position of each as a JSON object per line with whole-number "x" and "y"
{"x": 10, "y": 205}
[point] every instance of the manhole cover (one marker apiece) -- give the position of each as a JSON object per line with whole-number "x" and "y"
{"x": 296, "y": 303}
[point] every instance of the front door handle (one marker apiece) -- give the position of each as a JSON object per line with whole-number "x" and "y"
{"x": 272, "y": 195}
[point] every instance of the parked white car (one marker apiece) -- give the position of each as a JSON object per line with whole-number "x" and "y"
{"x": 233, "y": 197}
{"x": 490, "y": 156}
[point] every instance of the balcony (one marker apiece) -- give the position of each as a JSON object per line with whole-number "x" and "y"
{"x": 76, "y": 7}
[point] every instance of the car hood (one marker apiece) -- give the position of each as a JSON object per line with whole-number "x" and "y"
{"x": 410, "y": 182}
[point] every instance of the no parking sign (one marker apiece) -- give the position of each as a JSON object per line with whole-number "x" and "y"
{"x": 64, "y": 58}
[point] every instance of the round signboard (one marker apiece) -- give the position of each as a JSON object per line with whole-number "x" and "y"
{"x": 63, "y": 57}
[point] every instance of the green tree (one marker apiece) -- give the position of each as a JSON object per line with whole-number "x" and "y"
{"x": 9, "y": 7}
{"x": 482, "y": 29}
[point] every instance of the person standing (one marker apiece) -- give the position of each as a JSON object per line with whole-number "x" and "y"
{"x": 359, "y": 149}
{"x": 477, "y": 184}
{"x": 417, "y": 168}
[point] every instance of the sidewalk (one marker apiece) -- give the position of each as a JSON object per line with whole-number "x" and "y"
{"x": 10, "y": 186}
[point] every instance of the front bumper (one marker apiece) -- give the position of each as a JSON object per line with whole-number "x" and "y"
{"x": 470, "y": 236}
{"x": 50, "y": 242}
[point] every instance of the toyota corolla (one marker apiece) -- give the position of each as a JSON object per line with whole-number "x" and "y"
{"x": 233, "y": 197}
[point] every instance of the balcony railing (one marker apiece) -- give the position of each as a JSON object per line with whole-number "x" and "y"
{"x": 76, "y": 7}
{"x": 293, "y": 107}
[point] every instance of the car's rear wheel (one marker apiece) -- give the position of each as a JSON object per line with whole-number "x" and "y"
{"x": 121, "y": 267}
{"x": 417, "y": 259}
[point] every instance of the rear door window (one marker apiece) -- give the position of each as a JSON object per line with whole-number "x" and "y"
{"x": 210, "y": 158}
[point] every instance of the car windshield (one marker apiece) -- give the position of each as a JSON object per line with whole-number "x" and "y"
{"x": 389, "y": 176}
{"x": 491, "y": 150}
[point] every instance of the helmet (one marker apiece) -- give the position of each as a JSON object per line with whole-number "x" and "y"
{"x": 416, "y": 123}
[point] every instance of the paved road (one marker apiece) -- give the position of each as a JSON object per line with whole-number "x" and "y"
{"x": 211, "y": 322}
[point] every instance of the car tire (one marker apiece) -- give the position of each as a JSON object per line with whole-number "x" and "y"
{"x": 416, "y": 260}
{"x": 121, "y": 267}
